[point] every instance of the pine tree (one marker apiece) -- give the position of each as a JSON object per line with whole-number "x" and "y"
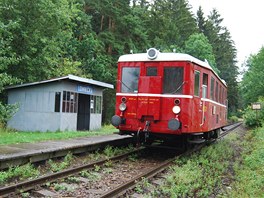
{"x": 170, "y": 24}
{"x": 225, "y": 54}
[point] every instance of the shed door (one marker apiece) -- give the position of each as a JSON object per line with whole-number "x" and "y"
{"x": 83, "y": 118}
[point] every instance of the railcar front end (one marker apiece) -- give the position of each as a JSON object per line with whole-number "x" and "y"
{"x": 156, "y": 96}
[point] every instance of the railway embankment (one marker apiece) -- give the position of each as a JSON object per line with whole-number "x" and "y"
{"x": 230, "y": 167}
{"x": 233, "y": 167}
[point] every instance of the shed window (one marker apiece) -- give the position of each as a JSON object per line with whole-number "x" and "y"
{"x": 57, "y": 101}
{"x": 173, "y": 80}
{"x": 197, "y": 83}
{"x": 69, "y": 104}
{"x": 96, "y": 104}
{"x": 129, "y": 82}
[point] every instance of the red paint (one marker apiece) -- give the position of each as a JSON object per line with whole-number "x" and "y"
{"x": 149, "y": 103}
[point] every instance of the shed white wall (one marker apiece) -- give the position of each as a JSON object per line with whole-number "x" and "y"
{"x": 95, "y": 121}
{"x": 36, "y": 109}
{"x": 37, "y": 103}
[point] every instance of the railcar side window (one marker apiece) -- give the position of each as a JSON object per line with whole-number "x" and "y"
{"x": 212, "y": 89}
{"x": 205, "y": 85}
{"x": 129, "y": 83}
{"x": 216, "y": 92}
{"x": 197, "y": 83}
{"x": 152, "y": 71}
{"x": 173, "y": 80}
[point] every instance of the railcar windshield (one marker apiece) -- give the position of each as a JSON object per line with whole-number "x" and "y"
{"x": 173, "y": 80}
{"x": 129, "y": 82}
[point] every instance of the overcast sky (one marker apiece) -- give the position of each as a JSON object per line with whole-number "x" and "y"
{"x": 244, "y": 20}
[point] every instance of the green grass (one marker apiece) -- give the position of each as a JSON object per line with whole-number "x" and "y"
{"x": 241, "y": 161}
{"x": 199, "y": 174}
{"x": 250, "y": 170}
{"x": 8, "y": 136}
{"x": 22, "y": 172}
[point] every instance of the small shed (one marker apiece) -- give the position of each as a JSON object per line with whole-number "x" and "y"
{"x": 66, "y": 103}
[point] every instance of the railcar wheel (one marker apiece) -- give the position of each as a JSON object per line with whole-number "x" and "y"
{"x": 216, "y": 133}
{"x": 196, "y": 138}
{"x": 149, "y": 141}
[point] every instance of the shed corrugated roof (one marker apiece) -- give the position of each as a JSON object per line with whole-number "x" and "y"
{"x": 69, "y": 77}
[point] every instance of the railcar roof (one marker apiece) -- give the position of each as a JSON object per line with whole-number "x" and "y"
{"x": 142, "y": 57}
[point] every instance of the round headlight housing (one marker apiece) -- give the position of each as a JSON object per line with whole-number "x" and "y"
{"x": 122, "y": 107}
{"x": 176, "y": 109}
{"x": 152, "y": 53}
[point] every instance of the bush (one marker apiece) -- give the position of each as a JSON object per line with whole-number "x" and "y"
{"x": 6, "y": 112}
{"x": 254, "y": 118}
{"x": 249, "y": 170}
{"x": 233, "y": 119}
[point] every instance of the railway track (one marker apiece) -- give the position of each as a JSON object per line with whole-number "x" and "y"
{"x": 31, "y": 184}
{"x": 115, "y": 191}
{"x": 119, "y": 190}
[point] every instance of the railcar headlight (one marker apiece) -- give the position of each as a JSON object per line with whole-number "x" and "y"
{"x": 122, "y": 107}
{"x": 152, "y": 53}
{"x": 176, "y": 109}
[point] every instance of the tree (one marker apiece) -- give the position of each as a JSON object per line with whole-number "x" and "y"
{"x": 7, "y": 57}
{"x": 201, "y": 21}
{"x": 225, "y": 53}
{"x": 252, "y": 87}
{"x": 198, "y": 46}
{"x": 170, "y": 24}
{"x": 39, "y": 38}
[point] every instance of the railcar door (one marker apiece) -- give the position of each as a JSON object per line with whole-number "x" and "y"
{"x": 148, "y": 93}
{"x": 197, "y": 103}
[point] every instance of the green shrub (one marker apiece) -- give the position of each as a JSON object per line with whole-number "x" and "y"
{"x": 249, "y": 171}
{"x": 254, "y": 118}
{"x": 6, "y": 112}
{"x": 21, "y": 172}
{"x": 233, "y": 119}
{"x": 198, "y": 175}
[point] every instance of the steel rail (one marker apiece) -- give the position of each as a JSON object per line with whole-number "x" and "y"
{"x": 150, "y": 173}
{"x": 29, "y": 185}
{"x": 234, "y": 126}
{"x": 119, "y": 190}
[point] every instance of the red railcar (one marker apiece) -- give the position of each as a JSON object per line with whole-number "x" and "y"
{"x": 166, "y": 95}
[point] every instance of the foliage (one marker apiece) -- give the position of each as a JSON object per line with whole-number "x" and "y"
{"x": 39, "y": 36}
{"x": 91, "y": 175}
{"x": 7, "y": 57}
{"x": 170, "y": 23}
{"x": 249, "y": 171}
{"x": 233, "y": 119}
{"x": 50, "y": 38}
{"x": 9, "y": 136}
{"x": 224, "y": 52}
{"x": 198, "y": 46}
{"x": 254, "y": 118}
{"x": 199, "y": 174}
{"x": 6, "y": 112}
{"x": 22, "y": 172}
{"x": 251, "y": 86}
{"x": 58, "y": 166}
{"x": 63, "y": 187}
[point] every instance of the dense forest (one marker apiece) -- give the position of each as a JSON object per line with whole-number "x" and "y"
{"x": 50, "y": 38}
